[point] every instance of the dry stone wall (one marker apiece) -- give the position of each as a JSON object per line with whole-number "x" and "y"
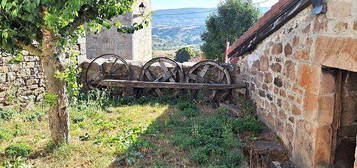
{"x": 289, "y": 81}
{"x": 20, "y": 84}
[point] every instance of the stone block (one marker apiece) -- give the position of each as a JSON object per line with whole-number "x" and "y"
{"x": 11, "y": 76}
{"x": 2, "y": 77}
{"x": 309, "y": 78}
{"x": 264, "y": 63}
{"x": 302, "y": 154}
{"x": 302, "y": 54}
{"x": 278, "y": 82}
{"x": 289, "y": 132}
{"x": 268, "y": 77}
{"x": 337, "y": 52}
{"x": 326, "y": 109}
{"x": 311, "y": 105}
{"x": 276, "y": 67}
{"x": 296, "y": 110}
{"x": 337, "y": 9}
{"x": 31, "y": 82}
{"x": 277, "y": 49}
{"x": 340, "y": 27}
{"x": 288, "y": 50}
{"x": 320, "y": 24}
{"x": 323, "y": 145}
{"x": 328, "y": 83}
{"x": 30, "y": 65}
{"x": 3, "y": 69}
{"x": 290, "y": 70}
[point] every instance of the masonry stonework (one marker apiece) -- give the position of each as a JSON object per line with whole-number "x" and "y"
{"x": 293, "y": 88}
{"x": 20, "y": 84}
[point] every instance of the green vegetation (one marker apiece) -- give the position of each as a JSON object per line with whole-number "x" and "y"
{"x": 18, "y": 163}
{"x": 18, "y": 149}
{"x": 233, "y": 18}
{"x": 184, "y": 54}
{"x": 142, "y": 132}
{"x": 46, "y": 29}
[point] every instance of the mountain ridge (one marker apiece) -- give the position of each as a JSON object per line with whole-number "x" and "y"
{"x": 174, "y": 28}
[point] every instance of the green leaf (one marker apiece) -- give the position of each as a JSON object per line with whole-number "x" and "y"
{"x": 17, "y": 59}
{"x": 3, "y": 3}
{"x": 5, "y": 34}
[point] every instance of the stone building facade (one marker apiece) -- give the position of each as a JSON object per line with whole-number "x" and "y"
{"x": 20, "y": 84}
{"x": 303, "y": 78}
{"x": 137, "y": 46}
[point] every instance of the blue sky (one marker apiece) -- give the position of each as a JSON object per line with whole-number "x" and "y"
{"x": 173, "y": 4}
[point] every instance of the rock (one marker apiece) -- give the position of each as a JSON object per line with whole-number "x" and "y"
{"x": 289, "y": 70}
{"x": 278, "y": 82}
{"x": 276, "y": 67}
{"x": 288, "y": 50}
{"x": 277, "y": 49}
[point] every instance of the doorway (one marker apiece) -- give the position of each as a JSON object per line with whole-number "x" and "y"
{"x": 345, "y": 135}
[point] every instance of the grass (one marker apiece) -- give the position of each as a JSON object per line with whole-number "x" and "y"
{"x": 128, "y": 132}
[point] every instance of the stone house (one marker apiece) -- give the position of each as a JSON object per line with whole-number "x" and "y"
{"x": 137, "y": 46}
{"x": 300, "y": 62}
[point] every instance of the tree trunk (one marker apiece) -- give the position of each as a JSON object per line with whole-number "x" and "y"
{"x": 58, "y": 114}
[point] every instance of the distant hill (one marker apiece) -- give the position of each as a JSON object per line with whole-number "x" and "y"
{"x": 171, "y": 31}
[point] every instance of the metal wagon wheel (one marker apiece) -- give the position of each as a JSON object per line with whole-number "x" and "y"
{"x": 107, "y": 66}
{"x": 161, "y": 69}
{"x": 212, "y": 73}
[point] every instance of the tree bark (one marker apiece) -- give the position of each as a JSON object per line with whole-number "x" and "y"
{"x": 58, "y": 114}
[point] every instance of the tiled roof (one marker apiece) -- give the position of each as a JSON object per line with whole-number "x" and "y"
{"x": 263, "y": 21}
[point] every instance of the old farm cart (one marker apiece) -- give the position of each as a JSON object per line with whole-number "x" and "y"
{"x": 159, "y": 74}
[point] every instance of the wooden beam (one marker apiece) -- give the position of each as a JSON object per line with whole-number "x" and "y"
{"x": 169, "y": 85}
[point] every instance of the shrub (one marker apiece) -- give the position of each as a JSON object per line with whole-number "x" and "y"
{"x": 18, "y": 149}
{"x": 200, "y": 155}
{"x": 7, "y": 114}
{"x": 184, "y": 54}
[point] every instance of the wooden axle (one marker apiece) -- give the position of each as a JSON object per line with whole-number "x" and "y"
{"x": 169, "y": 85}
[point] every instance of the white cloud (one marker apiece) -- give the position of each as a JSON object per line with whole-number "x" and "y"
{"x": 265, "y": 3}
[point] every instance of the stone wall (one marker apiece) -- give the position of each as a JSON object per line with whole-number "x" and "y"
{"x": 293, "y": 88}
{"x": 20, "y": 84}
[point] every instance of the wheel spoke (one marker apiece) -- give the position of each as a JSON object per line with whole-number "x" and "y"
{"x": 203, "y": 72}
{"x": 111, "y": 68}
{"x": 149, "y": 76}
{"x": 220, "y": 77}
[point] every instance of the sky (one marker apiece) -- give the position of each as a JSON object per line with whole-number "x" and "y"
{"x": 174, "y": 4}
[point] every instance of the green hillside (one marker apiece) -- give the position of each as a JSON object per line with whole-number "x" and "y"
{"x": 173, "y": 28}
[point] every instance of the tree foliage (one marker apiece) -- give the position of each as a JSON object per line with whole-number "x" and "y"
{"x": 45, "y": 28}
{"x": 22, "y": 21}
{"x": 184, "y": 54}
{"x": 232, "y": 19}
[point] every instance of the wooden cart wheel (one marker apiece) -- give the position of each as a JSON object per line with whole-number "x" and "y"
{"x": 107, "y": 66}
{"x": 209, "y": 72}
{"x": 161, "y": 69}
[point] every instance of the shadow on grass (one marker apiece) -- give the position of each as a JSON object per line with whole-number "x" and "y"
{"x": 187, "y": 134}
